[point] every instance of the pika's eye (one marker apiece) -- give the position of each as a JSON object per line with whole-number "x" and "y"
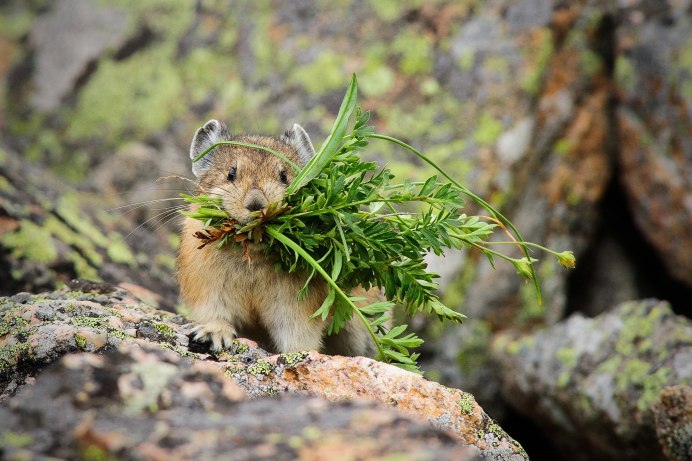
{"x": 231, "y": 174}
{"x": 283, "y": 178}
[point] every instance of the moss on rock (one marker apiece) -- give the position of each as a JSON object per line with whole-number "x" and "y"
{"x": 32, "y": 242}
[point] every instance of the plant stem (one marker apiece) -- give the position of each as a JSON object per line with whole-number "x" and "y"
{"x": 535, "y": 245}
{"x": 295, "y": 247}
{"x": 294, "y": 165}
{"x": 489, "y": 208}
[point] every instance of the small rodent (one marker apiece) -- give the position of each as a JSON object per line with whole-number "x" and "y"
{"x": 229, "y": 297}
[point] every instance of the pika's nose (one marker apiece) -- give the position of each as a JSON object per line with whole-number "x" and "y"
{"x": 255, "y": 201}
{"x": 255, "y": 205}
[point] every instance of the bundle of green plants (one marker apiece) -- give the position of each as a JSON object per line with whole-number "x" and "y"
{"x": 349, "y": 222}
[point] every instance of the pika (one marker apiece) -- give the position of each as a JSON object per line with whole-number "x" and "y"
{"x": 229, "y": 297}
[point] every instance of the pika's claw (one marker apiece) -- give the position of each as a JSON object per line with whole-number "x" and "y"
{"x": 219, "y": 333}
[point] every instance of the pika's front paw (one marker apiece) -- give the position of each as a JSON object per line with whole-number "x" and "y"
{"x": 219, "y": 333}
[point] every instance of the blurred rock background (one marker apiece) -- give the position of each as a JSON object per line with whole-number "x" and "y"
{"x": 573, "y": 118}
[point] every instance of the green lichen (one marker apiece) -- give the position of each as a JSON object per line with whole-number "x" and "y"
{"x": 637, "y": 327}
{"x": 239, "y": 347}
{"x": 98, "y": 323}
{"x": 429, "y": 87}
{"x": 295, "y": 442}
{"x": 625, "y": 76}
{"x": 487, "y": 130}
{"x": 261, "y": 367}
{"x": 177, "y": 349}
{"x": 415, "y": 52}
{"x": 114, "y": 312}
{"x": 312, "y": 432}
{"x": 10, "y": 353}
{"x": 498, "y": 66}
{"x": 200, "y": 70}
{"x": 69, "y": 210}
{"x": 135, "y": 97}
{"x": 465, "y": 61}
{"x": 164, "y": 329}
{"x": 12, "y": 325}
{"x": 68, "y": 236}
{"x": 32, "y": 242}
{"x": 562, "y": 146}
{"x": 118, "y": 252}
{"x": 324, "y": 73}
{"x": 291, "y": 358}
{"x": 80, "y": 340}
{"x": 155, "y": 376}
{"x": 466, "y": 403}
{"x": 638, "y": 375}
{"x": 537, "y": 57}
{"x": 563, "y": 379}
{"x": 15, "y": 440}
{"x": 168, "y": 20}
{"x": 165, "y": 260}
{"x": 376, "y": 80}
{"x": 96, "y": 453}
{"x": 591, "y": 62}
{"x": 173, "y": 240}
{"x": 386, "y": 10}
{"x": 632, "y": 367}
{"x": 5, "y": 185}
{"x": 568, "y": 356}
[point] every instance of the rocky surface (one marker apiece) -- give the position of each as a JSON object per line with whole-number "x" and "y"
{"x": 602, "y": 383}
{"x": 51, "y": 233}
{"x": 140, "y": 388}
{"x": 572, "y": 117}
{"x": 144, "y": 402}
{"x": 673, "y": 415}
{"x": 653, "y": 72}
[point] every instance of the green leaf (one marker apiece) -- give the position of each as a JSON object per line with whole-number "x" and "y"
{"x": 333, "y": 142}
{"x": 323, "y": 311}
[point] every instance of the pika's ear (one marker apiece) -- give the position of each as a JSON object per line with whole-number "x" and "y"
{"x": 212, "y": 132}
{"x": 299, "y": 139}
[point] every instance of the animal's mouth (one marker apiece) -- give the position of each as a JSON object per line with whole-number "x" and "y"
{"x": 242, "y": 230}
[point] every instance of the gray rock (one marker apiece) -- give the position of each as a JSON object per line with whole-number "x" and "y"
{"x": 654, "y": 119}
{"x": 66, "y": 40}
{"x": 151, "y": 392}
{"x": 598, "y": 380}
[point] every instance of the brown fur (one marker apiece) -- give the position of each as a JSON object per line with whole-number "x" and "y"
{"x": 229, "y": 297}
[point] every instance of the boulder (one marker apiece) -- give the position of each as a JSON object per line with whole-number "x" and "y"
{"x": 52, "y": 232}
{"x": 653, "y": 77}
{"x": 123, "y": 379}
{"x": 595, "y": 384}
{"x": 673, "y": 415}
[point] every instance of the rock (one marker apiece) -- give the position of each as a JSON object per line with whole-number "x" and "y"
{"x": 72, "y": 36}
{"x": 654, "y": 120}
{"x": 145, "y": 402}
{"x": 597, "y": 381}
{"x": 673, "y": 415}
{"x": 53, "y": 233}
{"x": 151, "y": 372}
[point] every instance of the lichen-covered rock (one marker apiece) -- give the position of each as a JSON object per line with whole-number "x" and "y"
{"x": 148, "y": 403}
{"x": 597, "y": 380}
{"x": 35, "y": 330}
{"x": 348, "y": 378}
{"x": 51, "y": 233}
{"x": 150, "y": 366}
{"x": 673, "y": 415}
{"x": 653, "y": 74}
